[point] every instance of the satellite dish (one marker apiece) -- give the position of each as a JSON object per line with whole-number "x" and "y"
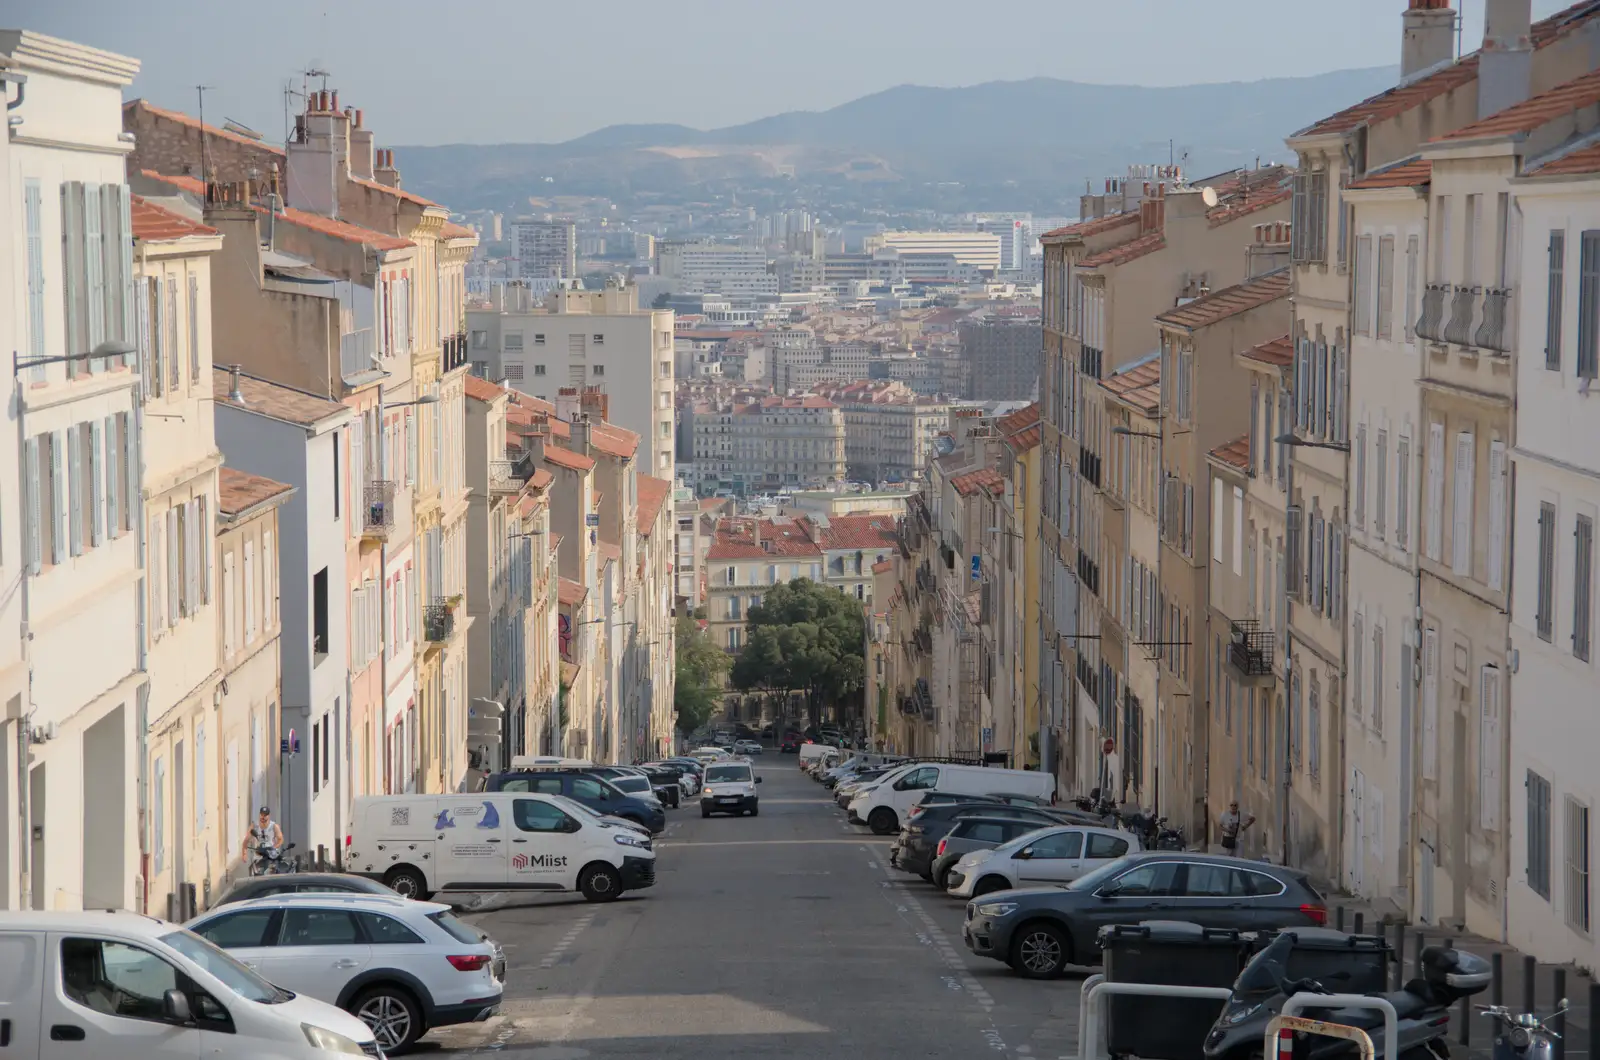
{"x": 1208, "y": 195}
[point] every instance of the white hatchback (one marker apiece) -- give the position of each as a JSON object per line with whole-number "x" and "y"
{"x": 403, "y": 967}
{"x": 1056, "y": 855}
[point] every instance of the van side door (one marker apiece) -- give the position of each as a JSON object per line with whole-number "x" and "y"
{"x": 106, "y": 998}
{"x": 546, "y": 846}
{"x": 22, "y": 983}
{"x": 909, "y": 789}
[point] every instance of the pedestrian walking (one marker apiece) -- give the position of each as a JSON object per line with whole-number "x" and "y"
{"x": 1232, "y": 826}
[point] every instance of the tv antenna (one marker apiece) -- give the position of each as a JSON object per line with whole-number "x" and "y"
{"x": 205, "y": 173}
{"x": 290, "y": 94}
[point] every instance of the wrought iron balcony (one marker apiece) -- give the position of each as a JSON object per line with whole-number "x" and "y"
{"x": 1462, "y": 309}
{"x": 1492, "y": 331}
{"x": 1250, "y": 651}
{"x": 1430, "y": 325}
{"x": 438, "y": 620}
{"x": 454, "y": 352}
{"x": 377, "y": 516}
{"x": 510, "y": 475}
{"x": 922, "y": 696}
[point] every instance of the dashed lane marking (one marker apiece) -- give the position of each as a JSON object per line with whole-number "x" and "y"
{"x": 567, "y": 940}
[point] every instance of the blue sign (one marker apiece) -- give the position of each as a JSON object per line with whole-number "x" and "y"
{"x": 977, "y": 567}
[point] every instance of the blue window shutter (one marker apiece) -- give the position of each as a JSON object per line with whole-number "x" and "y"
{"x": 74, "y": 490}
{"x": 112, "y": 470}
{"x": 58, "y": 497}
{"x": 132, "y": 509}
{"x": 97, "y": 477}
{"x": 36, "y": 515}
{"x": 33, "y": 216}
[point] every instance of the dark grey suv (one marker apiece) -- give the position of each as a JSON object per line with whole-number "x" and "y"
{"x": 1038, "y": 931}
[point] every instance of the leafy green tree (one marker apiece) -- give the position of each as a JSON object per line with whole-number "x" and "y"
{"x": 804, "y": 636}
{"x": 701, "y": 665}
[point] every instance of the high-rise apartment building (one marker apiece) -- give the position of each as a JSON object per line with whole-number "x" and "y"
{"x": 737, "y": 273}
{"x": 544, "y": 249}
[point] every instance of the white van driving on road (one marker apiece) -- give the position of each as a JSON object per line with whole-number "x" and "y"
{"x": 885, "y": 805}
{"x": 495, "y": 841}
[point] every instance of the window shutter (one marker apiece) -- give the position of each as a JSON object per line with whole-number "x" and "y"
{"x": 75, "y": 491}
{"x": 230, "y": 606}
{"x": 1554, "y": 284}
{"x": 1412, "y": 245}
{"x": 1430, "y": 704}
{"x": 74, "y": 275}
{"x": 94, "y": 279}
{"x": 97, "y": 480}
{"x": 131, "y": 508}
{"x": 1319, "y": 384}
{"x": 1362, "y": 281}
{"x": 194, "y": 330}
{"x": 158, "y": 604}
{"x": 174, "y": 362}
{"x": 1582, "y": 582}
{"x": 1358, "y": 517}
{"x": 1294, "y": 551}
{"x": 1402, "y": 492}
{"x": 173, "y": 567}
{"x": 1217, "y": 510}
{"x": 191, "y": 559}
{"x": 410, "y": 423}
{"x": 1302, "y": 382}
{"x": 1588, "y": 304}
{"x": 208, "y": 545}
{"x": 141, "y": 330}
{"x": 1253, "y": 460}
{"x": 1385, "y": 313}
{"x": 249, "y": 591}
{"x": 269, "y": 580}
{"x": 1356, "y": 648}
{"x": 1497, "y": 514}
{"x": 1341, "y": 391}
{"x": 58, "y": 497}
{"x": 1433, "y": 532}
{"x": 1461, "y": 517}
{"x": 1489, "y": 729}
{"x": 1378, "y": 689}
{"x": 181, "y": 565}
{"x": 1336, "y": 572}
{"x": 36, "y": 514}
{"x": 158, "y": 337}
{"x": 33, "y": 221}
{"x": 1544, "y": 608}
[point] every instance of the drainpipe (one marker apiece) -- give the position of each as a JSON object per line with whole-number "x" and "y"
{"x": 141, "y": 606}
{"x": 24, "y": 782}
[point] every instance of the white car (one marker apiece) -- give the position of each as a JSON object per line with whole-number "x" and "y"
{"x": 402, "y": 967}
{"x": 730, "y": 788}
{"x": 636, "y": 784}
{"x": 746, "y": 747}
{"x": 1055, "y": 855}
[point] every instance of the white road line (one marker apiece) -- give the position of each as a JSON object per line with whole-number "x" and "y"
{"x": 560, "y": 949}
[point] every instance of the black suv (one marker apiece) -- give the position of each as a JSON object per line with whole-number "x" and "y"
{"x": 583, "y": 787}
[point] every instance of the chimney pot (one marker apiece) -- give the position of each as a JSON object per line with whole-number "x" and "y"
{"x": 334, "y": 105}
{"x": 359, "y": 124}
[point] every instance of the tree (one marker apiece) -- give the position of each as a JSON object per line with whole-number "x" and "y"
{"x": 697, "y": 688}
{"x": 804, "y": 636}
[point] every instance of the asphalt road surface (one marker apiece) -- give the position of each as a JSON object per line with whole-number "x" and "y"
{"x": 782, "y": 935}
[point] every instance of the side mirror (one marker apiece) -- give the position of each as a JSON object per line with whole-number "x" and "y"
{"x": 175, "y": 1006}
{"x": 1110, "y": 890}
{"x": 1024, "y": 854}
{"x": 758, "y": 780}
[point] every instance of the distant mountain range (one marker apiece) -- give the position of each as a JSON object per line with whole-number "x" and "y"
{"x": 1022, "y": 144}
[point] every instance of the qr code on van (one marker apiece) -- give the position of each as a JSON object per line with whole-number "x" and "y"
{"x": 400, "y": 816}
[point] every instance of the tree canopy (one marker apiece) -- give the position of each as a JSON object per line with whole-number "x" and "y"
{"x": 697, "y": 688}
{"x": 804, "y": 636}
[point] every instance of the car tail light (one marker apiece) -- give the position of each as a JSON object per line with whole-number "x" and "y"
{"x": 348, "y": 840}
{"x": 916, "y": 811}
{"x": 1285, "y": 1044}
{"x": 468, "y": 962}
{"x": 942, "y": 844}
{"x": 1317, "y": 914}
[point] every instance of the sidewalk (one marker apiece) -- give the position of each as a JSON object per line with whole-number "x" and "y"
{"x": 1512, "y": 986}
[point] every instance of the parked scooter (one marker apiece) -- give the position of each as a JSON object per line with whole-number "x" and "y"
{"x": 270, "y": 860}
{"x": 1525, "y": 1036}
{"x": 1422, "y": 1009}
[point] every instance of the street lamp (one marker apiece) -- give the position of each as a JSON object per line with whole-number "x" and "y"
{"x": 1302, "y": 443}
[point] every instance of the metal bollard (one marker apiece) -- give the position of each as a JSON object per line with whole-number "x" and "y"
{"x": 1465, "y": 1037}
{"x": 1449, "y": 944}
{"x": 1594, "y": 1007}
{"x": 1338, "y": 918}
{"x": 1400, "y": 954}
{"x": 1361, "y": 923}
{"x": 1560, "y": 1021}
{"x": 1530, "y": 973}
{"x": 1497, "y": 981}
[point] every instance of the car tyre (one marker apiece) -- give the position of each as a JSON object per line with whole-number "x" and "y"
{"x": 755, "y": 811}
{"x": 600, "y": 883}
{"x": 1040, "y": 951}
{"x": 989, "y": 885}
{"x": 941, "y": 879}
{"x": 393, "y": 1015}
{"x": 705, "y": 811}
{"x": 407, "y": 882}
{"x": 882, "y": 821}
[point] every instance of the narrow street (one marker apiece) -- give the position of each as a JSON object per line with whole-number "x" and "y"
{"x": 781, "y": 935}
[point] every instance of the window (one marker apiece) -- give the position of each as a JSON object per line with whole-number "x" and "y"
{"x": 158, "y": 814}
{"x": 1238, "y": 531}
{"x": 116, "y": 979}
{"x": 239, "y": 930}
{"x": 598, "y": 369}
{"x": 588, "y": 788}
{"x": 513, "y": 341}
{"x": 1582, "y": 585}
{"x": 1314, "y": 732}
{"x": 1402, "y": 491}
{"x": 1538, "y": 835}
{"x": 1217, "y": 509}
{"x": 1577, "y": 858}
{"x": 316, "y": 757}
{"x": 1588, "y": 305}
{"x": 386, "y": 930}
{"x": 1555, "y": 281}
{"x": 1151, "y": 880}
{"x": 1363, "y": 285}
{"x": 1060, "y": 845}
{"x": 318, "y": 927}
{"x": 599, "y": 339}
{"x": 1357, "y": 624}
{"x": 1411, "y": 288}
{"x": 174, "y": 362}
{"x": 1385, "y": 313}
{"x": 538, "y": 369}
{"x": 1461, "y": 515}
{"x": 1215, "y": 881}
{"x": 194, "y": 330}
{"x": 319, "y": 612}
{"x": 1105, "y": 847}
{"x": 1377, "y": 678}
{"x": 531, "y": 816}
{"x": 1433, "y": 531}
{"x": 1545, "y": 587}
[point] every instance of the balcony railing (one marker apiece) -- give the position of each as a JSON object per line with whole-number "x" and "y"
{"x": 509, "y": 476}
{"x": 1492, "y": 332}
{"x": 356, "y": 350}
{"x": 438, "y": 620}
{"x": 1431, "y": 323}
{"x": 454, "y": 353}
{"x": 1251, "y": 649}
{"x": 377, "y": 516}
{"x": 1473, "y": 317}
{"x": 1462, "y": 305}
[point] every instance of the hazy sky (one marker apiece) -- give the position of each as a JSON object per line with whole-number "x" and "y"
{"x": 491, "y": 71}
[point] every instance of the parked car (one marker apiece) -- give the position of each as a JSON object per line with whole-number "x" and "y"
{"x": 915, "y": 850}
{"x": 971, "y": 834}
{"x": 597, "y": 793}
{"x": 1046, "y": 856}
{"x": 846, "y": 789}
{"x": 640, "y": 787}
{"x": 746, "y": 747}
{"x": 1040, "y": 931}
{"x": 115, "y": 984}
{"x": 693, "y": 773}
{"x": 299, "y": 883}
{"x": 669, "y": 781}
{"x": 730, "y": 788}
{"x": 401, "y": 967}
{"x": 885, "y": 806}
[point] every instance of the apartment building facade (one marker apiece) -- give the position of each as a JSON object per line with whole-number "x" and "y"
{"x": 1003, "y": 355}
{"x": 544, "y": 249}
{"x": 746, "y": 557}
{"x": 889, "y": 429}
{"x": 776, "y": 443}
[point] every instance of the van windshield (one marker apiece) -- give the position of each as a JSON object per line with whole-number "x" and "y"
{"x": 233, "y": 975}
{"x": 727, "y": 774}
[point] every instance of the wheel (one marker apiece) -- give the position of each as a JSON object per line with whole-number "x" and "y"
{"x": 755, "y": 811}
{"x": 1040, "y": 951}
{"x": 392, "y": 1013}
{"x": 407, "y": 882}
{"x": 882, "y": 821}
{"x": 927, "y": 875}
{"x": 600, "y": 883}
{"x": 989, "y": 885}
{"x": 705, "y": 811}
{"x": 941, "y": 879}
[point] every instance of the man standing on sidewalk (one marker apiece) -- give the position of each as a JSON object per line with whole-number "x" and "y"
{"x": 1232, "y": 826}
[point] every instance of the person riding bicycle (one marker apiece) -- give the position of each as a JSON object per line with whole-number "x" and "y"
{"x": 264, "y": 836}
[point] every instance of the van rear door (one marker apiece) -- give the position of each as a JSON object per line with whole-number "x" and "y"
{"x": 21, "y": 991}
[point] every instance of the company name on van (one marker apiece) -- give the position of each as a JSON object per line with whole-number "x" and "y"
{"x": 523, "y": 862}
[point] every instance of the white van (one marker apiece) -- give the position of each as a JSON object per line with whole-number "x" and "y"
{"x": 539, "y": 763}
{"x": 495, "y": 841}
{"x": 810, "y": 752}
{"x": 885, "y": 805}
{"x": 107, "y": 984}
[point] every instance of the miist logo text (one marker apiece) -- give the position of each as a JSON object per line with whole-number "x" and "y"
{"x": 539, "y": 861}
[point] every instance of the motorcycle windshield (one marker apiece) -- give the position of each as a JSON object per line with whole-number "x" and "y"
{"x": 1264, "y": 975}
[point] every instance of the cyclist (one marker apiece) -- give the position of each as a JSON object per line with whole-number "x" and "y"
{"x": 264, "y": 836}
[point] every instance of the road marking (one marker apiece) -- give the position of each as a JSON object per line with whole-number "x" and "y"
{"x": 567, "y": 940}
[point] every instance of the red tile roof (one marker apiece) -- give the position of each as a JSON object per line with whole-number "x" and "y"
{"x": 541, "y": 479}
{"x": 1230, "y": 301}
{"x": 570, "y": 592}
{"x": 653, "y": 494}
{"x": 859, "y": 531}
{"x": 1094, "y": 226}
{"x": 1138, "y": 385}
{"x": 554, "y": 454}
{"x": 1407, "y": 173}
{"x": 736, "y": 539}
{"x": 192, "y": 185}
{"x": 1123, "y": 253}
{"x": 1530, "y": 114}
{"x": 482, "y": 390}
{"x": 153, "y": 224}
{"x": 609, "y": 551}
{"x": 1236, "y": 454}
{"x": 194, "y": 123}
{"x": 883, "y": 566}
{"x": 409, "y": 196}
{"x": 239, "y": 491}
{"x": 1247, "y": 203}
{"x": 985, "y": 478}
{"x": 1278, "y": 352}
{"x": 344, "y": 230}
{"x": 1020, "y": 430}
{"x": 1585, "y": 160}
{"x": 612, "y": 440}
{"x": 451, "y": 230}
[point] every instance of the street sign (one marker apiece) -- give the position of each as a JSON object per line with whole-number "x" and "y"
{"x": 977, "y": 567}
{"x": 592, "y": 519}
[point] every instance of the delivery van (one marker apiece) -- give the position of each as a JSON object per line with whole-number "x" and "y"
{"x": 110, "y": 984}
{"x": 495, "y": 841}
{"x": 884, "y": 806}
{"x": 538, "y": 763}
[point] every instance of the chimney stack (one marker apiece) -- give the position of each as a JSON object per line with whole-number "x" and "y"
{"x": 580, "y": 434}
{"x": 1505, "y": 68}
{"x": 1428, "y": 37}
{"x": 385, "y": 173}
{"x": 234, "y": 396}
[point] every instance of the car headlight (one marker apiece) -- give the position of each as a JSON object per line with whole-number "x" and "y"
{"x": 631, "y": 839}
{"x": 997, "y": 908}
{"x": 1239, "y": 1013}
{"x": 331, "y": 1041}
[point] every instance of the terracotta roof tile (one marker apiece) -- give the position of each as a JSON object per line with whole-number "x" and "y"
{"x": 985, "y": 478}
{"x": 451, "y": 230}
{"x": 1138, "y": 385}
{"x": 570, "y": 592}
{"x": 736, "y": 539}
{"x": 554, "y": 454}
{"x": 1246, "y": 204}
{"x": 1230, "y": 301}
{"x": 609, "y": 551}
{"x": 1530, "y": 114}
{"x": 194, "y": 123}
{"x": 1407, "y": 173}
{"x": 653, "y": 494}
{"x": 1236, "y": 454}
{"x": 1123, "y": 253}
{"x": 239, "y": 491}
{"x": 1278, "y": 352}
{"x": 1021, "y": 429}
{"x": 480, "y": 389}
{"x": 859, "y": 531}
{"x": 191, "y": 185}
{"x": 275, "y": 400}
{"x": 541, "y": 479}
{"x": 612, "y": 440}
{"x": 409, "y": 196}
{"x": 344, "y": 230}
{"x": 1585, "y": 160}
{"x": 1094, "y": 226}
{"x": 153, "y": 224}
{"x": 884, "y": 567}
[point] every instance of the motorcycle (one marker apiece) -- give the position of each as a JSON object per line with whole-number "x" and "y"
{"x": 1422, "y": 1008}
{"x": 270, "y": 861}
{"x": 1525, "y": 1036}
{"x": 1170, "y": 838}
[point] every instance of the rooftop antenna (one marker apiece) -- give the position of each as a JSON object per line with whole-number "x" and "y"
{"x": 205, "y": 172}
